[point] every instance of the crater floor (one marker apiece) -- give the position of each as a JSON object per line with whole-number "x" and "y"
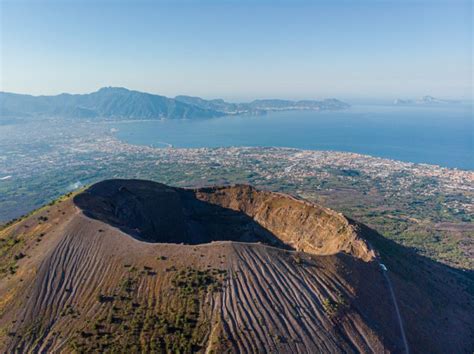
{"x": 156, "y": 213}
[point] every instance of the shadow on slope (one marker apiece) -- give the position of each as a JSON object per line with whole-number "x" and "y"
{"x": 436, "y": 301}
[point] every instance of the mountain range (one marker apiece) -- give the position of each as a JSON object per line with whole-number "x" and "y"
{"x": 121, "y": 103}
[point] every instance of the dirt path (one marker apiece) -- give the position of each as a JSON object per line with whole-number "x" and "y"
{"x": 397, "y": 311}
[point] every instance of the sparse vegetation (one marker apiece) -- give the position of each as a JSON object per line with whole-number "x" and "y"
{"x": 335, "y": 307}
{"x": 297, "y": 259}
{"x": 10, "y": 253}
{"x": 138, "y": 327}
{"x": 190, "y": 280}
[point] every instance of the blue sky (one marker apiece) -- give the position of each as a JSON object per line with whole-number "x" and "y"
{"x": 239, "y": 49}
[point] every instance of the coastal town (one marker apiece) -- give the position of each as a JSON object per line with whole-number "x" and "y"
{"x": 410, "y": 203}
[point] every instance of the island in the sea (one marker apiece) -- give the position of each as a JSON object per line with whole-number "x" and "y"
{"x": 425, "y": 100}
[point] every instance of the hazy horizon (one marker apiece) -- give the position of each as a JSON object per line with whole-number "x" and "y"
{"x": 240, "y": 50}
{"x": 243, "y": 99}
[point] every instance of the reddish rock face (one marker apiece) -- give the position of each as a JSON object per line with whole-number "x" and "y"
{"x": 154, "y": 212}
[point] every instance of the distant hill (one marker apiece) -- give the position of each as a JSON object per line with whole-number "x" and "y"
{"x": 262, "y": 106}
{"x": 425, "y": 100}
{"x": 109, "y": 102}
{"x": 119, "y": 103}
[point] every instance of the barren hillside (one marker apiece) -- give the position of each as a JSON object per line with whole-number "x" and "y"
{"x": 131, "y": 265}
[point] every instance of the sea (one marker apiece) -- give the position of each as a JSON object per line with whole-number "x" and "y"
{"x": 439, "y": 134}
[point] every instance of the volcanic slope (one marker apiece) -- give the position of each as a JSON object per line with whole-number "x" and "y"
{"x": 137, "y": 266}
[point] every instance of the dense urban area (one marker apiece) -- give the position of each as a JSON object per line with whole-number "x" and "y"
{"x": 425, "y": 207}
